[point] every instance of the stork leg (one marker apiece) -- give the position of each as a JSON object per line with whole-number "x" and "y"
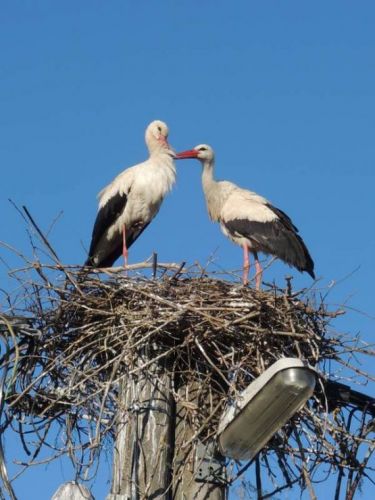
{"x": 124, "y": 247}
{"x": 246, "y": 265}
{"x": 258, "y": 272}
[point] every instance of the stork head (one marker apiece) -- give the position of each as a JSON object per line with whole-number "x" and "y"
{"x": 157, "y": 136}
{"x": 202, "y": 152}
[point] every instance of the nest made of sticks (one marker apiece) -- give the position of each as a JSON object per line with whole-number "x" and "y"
{"x": 70, "y": 336}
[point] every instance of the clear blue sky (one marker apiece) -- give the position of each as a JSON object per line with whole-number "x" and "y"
{"x": 283, "y": 91}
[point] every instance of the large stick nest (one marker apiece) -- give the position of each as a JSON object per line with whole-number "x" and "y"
{"x": 69, "y": 337}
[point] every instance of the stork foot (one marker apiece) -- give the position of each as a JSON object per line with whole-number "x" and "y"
{"x": 245, "y": 275}
{"x": 125, "y": 263}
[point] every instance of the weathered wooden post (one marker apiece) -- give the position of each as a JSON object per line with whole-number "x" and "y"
{"x": 145, "y": 425}
{"x": 149, "y": 432}
{"x": 199, "y": 469}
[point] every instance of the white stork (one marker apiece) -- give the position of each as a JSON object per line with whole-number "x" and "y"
{"x": 130, "y": 202}
{"x": 250, "y": 220}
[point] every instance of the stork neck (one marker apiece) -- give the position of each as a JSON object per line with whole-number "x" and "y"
{"x": 208, "y": 173}
{"x": 160, "y": 150}
{"x": 211, "y": 190}
{"x": 163, "y": 161}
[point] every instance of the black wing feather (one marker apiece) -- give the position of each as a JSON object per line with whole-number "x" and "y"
{"x": 135, "y": 232}
{"x": 279, "y": 237}
{"x": 109, "y": 259}
{"x": 106, "y": 216}
{"x": 286, "y": 220}
{"x": 132, "y": 234}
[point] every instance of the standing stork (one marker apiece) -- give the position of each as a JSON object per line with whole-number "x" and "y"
{"x": 130, "y": 202}
{"x": 249, "y": 220}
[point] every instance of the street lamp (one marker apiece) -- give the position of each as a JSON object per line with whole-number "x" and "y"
{"x": 264, "y": 407}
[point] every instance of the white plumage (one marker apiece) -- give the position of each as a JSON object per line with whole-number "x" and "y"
{"x": 130, "y": 202}
{"x": 250, "y": 220}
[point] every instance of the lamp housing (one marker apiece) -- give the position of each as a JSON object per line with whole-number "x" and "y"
{"x": 264, "y": 407}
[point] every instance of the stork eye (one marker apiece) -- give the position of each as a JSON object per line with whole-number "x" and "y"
{"x": 159, "y": 128}
{"x": 202, "y": 149}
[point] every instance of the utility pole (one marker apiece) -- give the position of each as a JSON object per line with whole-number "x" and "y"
{"x": 143, "y": 447}
{"x": 150, "y": 460}
{"x": 199, "y": 471}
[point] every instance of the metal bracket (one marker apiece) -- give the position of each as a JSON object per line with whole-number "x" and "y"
{"x": 209, "y": 464}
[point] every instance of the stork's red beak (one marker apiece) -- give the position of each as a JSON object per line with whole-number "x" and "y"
{"x": 190, "y": 153}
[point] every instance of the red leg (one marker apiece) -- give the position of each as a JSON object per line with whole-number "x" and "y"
{"x": 124, "y": 248}
{"x": 258, "y": 272}
{"x": 246, "y": 265}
